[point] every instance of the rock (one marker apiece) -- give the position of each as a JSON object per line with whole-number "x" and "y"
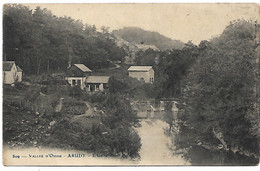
{"x": 37, "y": 113}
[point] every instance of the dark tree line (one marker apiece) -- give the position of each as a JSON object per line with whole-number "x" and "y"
{"x": 41, "y": 42}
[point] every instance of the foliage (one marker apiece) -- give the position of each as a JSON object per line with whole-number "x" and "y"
{"x": 75, "y": 91}
{"x": 118, "y": 111}
{"x": 147, "y": 57}
{"x": 219, "y": 98}
{"x": 73, "y": 106}
{"x": 168, "y": 116}
{"x": 176, "y": 65}
{"x": 41, "y": 42}
{"x": 170, "y": 67}
{"x": 99, "y": 139}
{"x": 32, "y": 93}
{"x": 97, "y": 98}
{"x": 117, "y": 86}
{"x": 131, "y": 88}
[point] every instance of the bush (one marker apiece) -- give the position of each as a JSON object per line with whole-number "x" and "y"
{"x": 32, "y": 93}
{"x": 125, "y": 141}
{"x": 73, "y": 106}
{"x": 75, "y": 92}
{"x": 21, "y": 86}
{"x": 65, "y": 135}
{"x": 97, "y": 97}
{"x": 99, "y": 139}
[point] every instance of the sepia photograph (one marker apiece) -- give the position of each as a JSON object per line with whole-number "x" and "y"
{"x": 130, "y": 84}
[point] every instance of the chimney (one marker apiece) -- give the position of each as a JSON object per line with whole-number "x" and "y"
{"x": 69, "y": 64}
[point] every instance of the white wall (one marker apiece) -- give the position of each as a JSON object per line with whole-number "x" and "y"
{"x": 9, "y": 77}
{"x": 145, "y": 75}
{"x": 151, "y": 75}
{"x": 82, "y": 81}
{"x": 20, "y": 76}
{"x": 97, "y": 87}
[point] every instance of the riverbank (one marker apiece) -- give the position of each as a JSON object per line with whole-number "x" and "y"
{"x": 155, "y": 151}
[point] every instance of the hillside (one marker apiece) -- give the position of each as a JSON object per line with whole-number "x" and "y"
{"x": 132, "y": 48}
{"x": 139, "y": 36}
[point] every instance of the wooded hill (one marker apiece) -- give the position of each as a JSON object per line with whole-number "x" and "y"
{"x": 40, "y": 42}
{"x": 139, "y": 36}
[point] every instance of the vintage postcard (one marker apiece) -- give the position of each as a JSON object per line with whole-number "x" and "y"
{"x": 130, "y": 84}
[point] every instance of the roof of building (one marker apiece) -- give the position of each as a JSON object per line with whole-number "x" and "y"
{"x": 83, "y": 68}
{"x": 7, "y": 65}
{"x": 97, "y": 79}
{"x": 140, "y": 68}
{"x": 19, "y": 69}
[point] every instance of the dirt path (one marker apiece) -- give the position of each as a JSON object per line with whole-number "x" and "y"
{"x": 115, "y": 67}
{"x": 59, "y": 106}
{"x": 155, "y": 145}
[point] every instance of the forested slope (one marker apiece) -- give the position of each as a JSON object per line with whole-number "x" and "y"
{"x": 40, "y": 42}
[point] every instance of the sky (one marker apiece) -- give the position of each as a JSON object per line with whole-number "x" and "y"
{"x": 183, "y": 22}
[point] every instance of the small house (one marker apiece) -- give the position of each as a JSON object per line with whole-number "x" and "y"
{"x": 12, "y": 73}
{"x": 142, "y": 73}
{"x": 77, "y": 74}
{"x": 97, "y": 83}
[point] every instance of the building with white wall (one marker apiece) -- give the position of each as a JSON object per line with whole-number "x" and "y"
{"x": 142, "y": 73}
{"x": 97, "y": 83}
{"x": 77, "y": 74}
{"x": 12, "y": 73}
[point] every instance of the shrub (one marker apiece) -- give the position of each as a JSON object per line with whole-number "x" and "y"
{"x": 97, "y": 97}
{"x": 73, "y": 106}
{"x": 21, "y": 86}
{"x": 126, "y": 141}
{"x": 75, "y": 92}
{"x": 32, "y": 93}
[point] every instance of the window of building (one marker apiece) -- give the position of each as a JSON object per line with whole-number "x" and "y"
{"x": 73, "y": 82}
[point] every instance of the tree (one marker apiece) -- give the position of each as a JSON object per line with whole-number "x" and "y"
{"x": 119, "y": 110}
{"x": 173, "y": 66}
{"x": 219, "y": 98}
{"x": 40, "y": 42}
{"x": 168, "y": 117}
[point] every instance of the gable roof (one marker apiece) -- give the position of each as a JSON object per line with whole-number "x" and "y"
{"x": 97, "y": 79}
{"x": 19, "y": 69}
{"x": 7, "y": 65}
{"x": 140, "y": 68}
{"x": 83, "y": 68}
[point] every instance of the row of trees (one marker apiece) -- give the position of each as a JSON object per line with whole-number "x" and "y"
{"x": 41, "y": 42}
